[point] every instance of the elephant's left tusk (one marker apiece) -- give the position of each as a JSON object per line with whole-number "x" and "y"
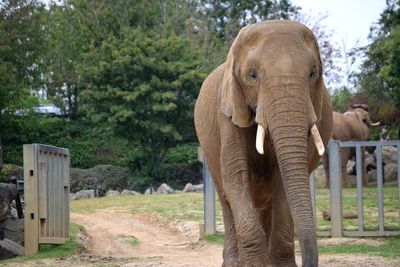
{"x": 260, "y": 139}
{"x": 375, "y": 123}
{"x": 317, "y": 140}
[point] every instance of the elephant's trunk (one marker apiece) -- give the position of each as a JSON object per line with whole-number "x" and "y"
{"x": 288, "y": 120}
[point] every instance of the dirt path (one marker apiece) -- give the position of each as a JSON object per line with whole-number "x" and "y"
{"x": 120, "y": 239}
{"x": 161, "y": 243}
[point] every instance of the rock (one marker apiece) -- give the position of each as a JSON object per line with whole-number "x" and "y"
{"x": 165, "y": 189}
{"x": 82, "y": 179}
{"x": 112, "y": 193}
{"x": 9, "y": 249}
{"x": 320, "y": 176}
{"x": 390, "y": 171}
{"x": 72, "y": 196}
{"x": 372, "y": 176}
{"x": 13, "y": 229}
{"x": 351, "y": 167}
{"x": 150, "y": 191}
{"x": 188, "y": 188}
{"x": 126, "y": 192}
{"x": 84, "y": 194}
{"x": 8, "y": 192}
{"x": 326, "y": 214}
{"x": 370, "y": 161}
{"x": 389, "y": 154}
{"x": 198, "y": 188}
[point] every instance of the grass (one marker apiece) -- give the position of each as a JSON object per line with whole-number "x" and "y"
{"x": 390, "y": 248}
{"x": 370, "y": 201}
{"x": 69, "y": 248}
{"x": 189, "y": 206}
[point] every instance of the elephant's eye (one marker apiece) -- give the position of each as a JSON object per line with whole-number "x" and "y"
{"x": 253, "y": 74}
{"x": 313, "y": 72}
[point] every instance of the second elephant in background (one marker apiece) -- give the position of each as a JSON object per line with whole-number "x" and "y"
{"x": 353, "y": 125}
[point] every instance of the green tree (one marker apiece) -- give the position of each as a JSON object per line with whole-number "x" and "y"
{"x": 379, "y": 74}
{"x": 145, "y": 88}
{"x": 21, "y": 47}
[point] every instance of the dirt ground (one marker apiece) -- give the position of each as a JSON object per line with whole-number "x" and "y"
{"x": 119, "y": 239}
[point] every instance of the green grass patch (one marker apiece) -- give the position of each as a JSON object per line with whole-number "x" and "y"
{"x": 69, "y": 248}
{"x": 180, "y": 207}
{"x": 390, "y": 248}
{"x": 370, "y": 208}
{"x": 217, "y": 238}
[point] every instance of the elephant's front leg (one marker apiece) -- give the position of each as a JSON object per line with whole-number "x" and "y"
{"x": 281, "y": 242}
{"x": 251, "y": 239}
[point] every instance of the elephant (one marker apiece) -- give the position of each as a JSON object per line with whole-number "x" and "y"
{"x": 263, "y": 119}
{"x": 353, "y": 125}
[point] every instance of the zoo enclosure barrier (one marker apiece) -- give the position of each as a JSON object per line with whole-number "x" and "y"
{"x": 336, "y": 200}
{"x": 335, "y": 193}
{"x": 46, "y": 189}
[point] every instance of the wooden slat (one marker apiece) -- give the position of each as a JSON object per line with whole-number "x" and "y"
{"x": 52, "y": 240}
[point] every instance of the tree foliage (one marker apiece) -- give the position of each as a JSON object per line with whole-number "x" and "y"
{"x": 124, "y": 73}
{"x": 379, "y": 75}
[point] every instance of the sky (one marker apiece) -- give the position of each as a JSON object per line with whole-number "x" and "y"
{"x": 350, "y": 19}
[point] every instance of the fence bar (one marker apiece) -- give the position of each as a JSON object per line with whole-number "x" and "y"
{"x": 313, "y": 196}
{"x": 335, "y": 188}
{"x": 398, "y": 177}
{"x": 209, "y": 202}
{"x": 368, "y": 143}
{"x": 360, "y": 206}
{"x": 380, "y": 186}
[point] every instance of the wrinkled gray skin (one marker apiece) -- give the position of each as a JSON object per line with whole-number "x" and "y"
{"x": 272, "y": 77}
{"x": 353, "y": 125}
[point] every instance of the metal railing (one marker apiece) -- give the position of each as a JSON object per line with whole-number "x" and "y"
{"x": 336, "y": 188}
{"x": 335, "y": 192}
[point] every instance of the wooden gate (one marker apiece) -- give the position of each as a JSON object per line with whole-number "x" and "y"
{"x": 46, "y": 190}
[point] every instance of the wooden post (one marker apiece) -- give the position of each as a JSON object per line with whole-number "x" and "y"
{"x": 31, "y": 200}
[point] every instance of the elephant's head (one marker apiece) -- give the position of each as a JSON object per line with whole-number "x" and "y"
{"x": 273, "y": 78}
{"x": 362, "y": 114}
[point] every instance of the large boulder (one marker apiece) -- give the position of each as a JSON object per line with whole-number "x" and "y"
{"x": 351, "y": 167}
{"x": 198, "y": 188}
{"x": 389, "y": 154}
{"x": 165, "y": 189}
{"x": 372, "y": 176}
{"x": 9, "y": 249}
{"x": 13, "y": 229}
{"x": 390, "y": 171}
{"x": 112, "y": 193}
{"x": 188, "y": 188}
{"x": 320, "y": 177}
{"x": 84, "y": 194}
{"x": 127, "y": 192}
{"x": 370, "y": 161}
{"x": 150, "y": 191}
{"x": 8, "y": 192}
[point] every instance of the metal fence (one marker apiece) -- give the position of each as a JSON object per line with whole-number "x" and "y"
{"x": 335, "y": 192}
{"x": 46, "y": 187}
{"x": 336, "y": 200}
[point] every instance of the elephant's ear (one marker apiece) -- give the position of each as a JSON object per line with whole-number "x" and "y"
{"x": 317, "y": 97}
{"x": 233, "y": 102}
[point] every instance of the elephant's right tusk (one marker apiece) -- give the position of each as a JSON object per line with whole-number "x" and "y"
{"x": 317, "y": 140}
{"x": 260, "y": 139}
{"x": 375, "y": 123}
